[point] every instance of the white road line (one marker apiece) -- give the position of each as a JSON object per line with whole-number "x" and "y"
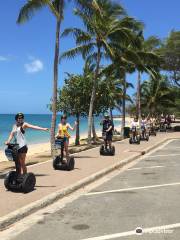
{"x": 132, "y": 169}
{"x": 169, "y": 148}
{"x": 165, "y": 155}
{"x": 158, "y": 229}
{"x": 135, "y": 188}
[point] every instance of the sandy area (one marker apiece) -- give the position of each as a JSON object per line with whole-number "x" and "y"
{"x": 128, "y": 120}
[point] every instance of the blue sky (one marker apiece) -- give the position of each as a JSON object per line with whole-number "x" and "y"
{"x": 27, "y": 51}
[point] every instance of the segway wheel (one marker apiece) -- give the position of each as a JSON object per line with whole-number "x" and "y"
{"x": 56, "y": 162}
{"x": 130, "y": 140}
{"x": 101, "y": 150}
{"x": 147, "y": 138}
{"x": 113, "y": 150}
{"x": 155, "y": 134}
{"x": 29, "y": 182}
{"x": 70, "y": 163}
{"x": 9, "y": 178}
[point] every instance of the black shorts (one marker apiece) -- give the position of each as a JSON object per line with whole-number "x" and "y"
{"x": 24, "y": 149}
{"x": 107, "y": 136}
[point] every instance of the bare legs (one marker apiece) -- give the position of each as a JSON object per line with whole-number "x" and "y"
{"x": 110, "y": 144}
{"x": 66, "y": 147}
{"x": 22, "y": 158}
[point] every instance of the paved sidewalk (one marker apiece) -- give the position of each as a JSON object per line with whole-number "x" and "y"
{"x": 87, "y": 163}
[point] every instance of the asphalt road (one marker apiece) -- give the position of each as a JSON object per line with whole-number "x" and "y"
{"x": 145, "y": 196}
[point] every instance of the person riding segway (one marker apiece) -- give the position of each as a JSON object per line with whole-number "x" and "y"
{"x": 107, "y": 133}
{"x": 62, "y": 143}
{"x": 144, "y": 135}
{"x": 163, "y": 124}
{"x": 152, "y": 126}
{"x": 19, "y": 180}
{"x": 134, "y": 132}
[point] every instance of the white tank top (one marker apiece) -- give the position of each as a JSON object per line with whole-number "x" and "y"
{"x": 19, "y": 136}
{"x": 134, "y": 124}
{"x": 143, "y": 122}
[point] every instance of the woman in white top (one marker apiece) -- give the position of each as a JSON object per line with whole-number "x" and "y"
{"x": 135, "y": 123}
{"x": 143, "y": 121}
{"x": 18, "y": 133}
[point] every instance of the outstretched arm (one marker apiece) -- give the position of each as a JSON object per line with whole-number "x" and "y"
{"x": 72, "y": 128}
{"x": 27, "y": 125}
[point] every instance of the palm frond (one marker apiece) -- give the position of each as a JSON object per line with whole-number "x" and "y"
{"x": 84, "y": 50}
{"x": 79, "y": 35}
{"x": 29, "y": 9}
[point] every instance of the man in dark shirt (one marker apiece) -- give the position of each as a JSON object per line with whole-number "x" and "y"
{"x": 107, "y": 130}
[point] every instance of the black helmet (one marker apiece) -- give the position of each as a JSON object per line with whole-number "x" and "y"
{"x": 18, "y": 115}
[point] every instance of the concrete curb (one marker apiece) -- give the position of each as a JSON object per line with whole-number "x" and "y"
{"x": 51, "y": 198}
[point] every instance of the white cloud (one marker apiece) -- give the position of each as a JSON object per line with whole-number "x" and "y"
{"x": 2, "y": 59}
{"x": 36, "y": 65}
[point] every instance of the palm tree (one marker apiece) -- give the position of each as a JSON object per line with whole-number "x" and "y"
{"x": 157, "y": 95}
{"x": 101, "y": 21}
{"x": 150, "y": 62}
{"x": 125, "y": 58}
{"x": 132, "y": 58}
{"x": 56, "y": 7}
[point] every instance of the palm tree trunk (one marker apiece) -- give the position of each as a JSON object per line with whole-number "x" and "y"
{"x": 77, "y": 141}
{"x": 111, "y": 114}
{"x": 55, "y": 79}
{"x": 138, "y": 98}
{"x": 123, "y": 106}
{"x": 95, "y": 137}
{"x": 93, "y": 95}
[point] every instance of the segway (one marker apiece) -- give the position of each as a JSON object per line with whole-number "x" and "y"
{"x": 144, "y": 135}
{"x": 105, "y": 149}
{"x": 134, "y": 137}
{"x": 163, "y": 127}
{"x": 152, "y": 131}
{"x": 58, "y": 162}
{"x": 13, "y": 180}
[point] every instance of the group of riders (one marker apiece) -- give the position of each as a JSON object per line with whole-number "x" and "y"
{"x": 20, "y": 126}
{"x": 18, "y": 135}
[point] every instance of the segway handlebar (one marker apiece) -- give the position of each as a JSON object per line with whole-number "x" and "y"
{"x": 12, "y": 144}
